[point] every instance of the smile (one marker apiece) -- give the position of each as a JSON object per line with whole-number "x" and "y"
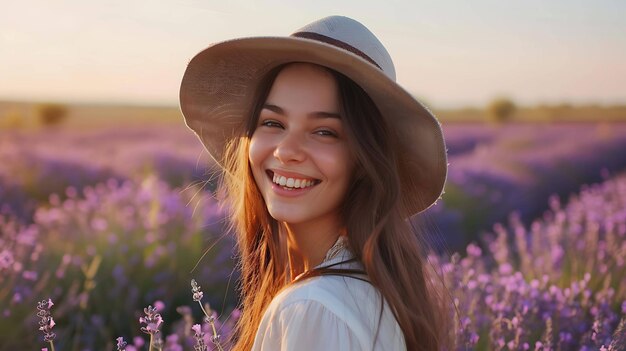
{"x": 291, "y": 182}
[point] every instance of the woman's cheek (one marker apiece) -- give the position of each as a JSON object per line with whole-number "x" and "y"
{"x": 256, "y": 149}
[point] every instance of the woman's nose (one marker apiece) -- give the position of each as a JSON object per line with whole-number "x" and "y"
{"x": 290, "y": 149}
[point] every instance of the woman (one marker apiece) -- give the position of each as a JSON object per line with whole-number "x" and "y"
{"x": 324, "y": 157}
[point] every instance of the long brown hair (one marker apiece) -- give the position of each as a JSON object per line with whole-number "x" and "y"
{"x": 380, "y": 237}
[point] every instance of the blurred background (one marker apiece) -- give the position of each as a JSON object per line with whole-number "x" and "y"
{"x": 105, "y": 196}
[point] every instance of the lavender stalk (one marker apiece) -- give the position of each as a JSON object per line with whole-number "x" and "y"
{"x": 197, "y": 297}
{"x": 46, "y": 323}
{"x": 151, "y": 324}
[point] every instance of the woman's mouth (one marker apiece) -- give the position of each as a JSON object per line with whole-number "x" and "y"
{"x": 291, "y": 182}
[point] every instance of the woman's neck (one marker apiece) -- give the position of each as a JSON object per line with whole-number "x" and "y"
{"x": 307, "y": 245}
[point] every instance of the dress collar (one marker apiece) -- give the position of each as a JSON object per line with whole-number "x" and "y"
{"x": 340, "y": 251}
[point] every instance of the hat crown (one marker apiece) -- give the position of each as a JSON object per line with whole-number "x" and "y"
{"x": 355, "y": 35}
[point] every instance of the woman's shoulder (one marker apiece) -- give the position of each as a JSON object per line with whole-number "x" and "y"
{"x": 345, "y": 310}
{"x": 338, "y": 293}
{"x": 333, "y": 291}
{"x": 329, "y": 291}
{"x": 345, "y": 303}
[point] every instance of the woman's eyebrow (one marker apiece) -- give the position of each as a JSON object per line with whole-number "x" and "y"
{"x": 274, "y": 108}
{"x": 322, "y": 114}
{"x": 316, "y": 114}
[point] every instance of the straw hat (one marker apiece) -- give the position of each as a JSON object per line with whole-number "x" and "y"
{"x": 219, "y": 84}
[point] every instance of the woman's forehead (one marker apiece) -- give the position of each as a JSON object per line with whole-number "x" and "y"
{"x": 303, "y": 88}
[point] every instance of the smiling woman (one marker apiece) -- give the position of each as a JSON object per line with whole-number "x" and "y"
{"x": 324, "y": 158}
{"x": 296, "y": 145}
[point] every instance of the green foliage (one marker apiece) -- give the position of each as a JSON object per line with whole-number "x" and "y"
{"x": 500, "y": 110}
{"x": 51, "y": 114}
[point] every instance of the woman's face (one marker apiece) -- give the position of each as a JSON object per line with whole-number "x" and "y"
{"x": 298, "y": 153}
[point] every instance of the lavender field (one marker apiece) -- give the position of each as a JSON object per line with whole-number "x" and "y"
{"x": 530, "y": 235}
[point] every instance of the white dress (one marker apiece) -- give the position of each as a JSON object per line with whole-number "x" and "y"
{"x": 329, "y": 313}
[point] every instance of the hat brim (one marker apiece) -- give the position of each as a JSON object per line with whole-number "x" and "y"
{"x": 219, "y": 84}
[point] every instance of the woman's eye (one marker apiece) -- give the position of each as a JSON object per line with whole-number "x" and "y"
{"x": 325, "y": 132}
{"x": 271, "y": 124}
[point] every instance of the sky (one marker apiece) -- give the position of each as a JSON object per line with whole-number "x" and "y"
{"x": 448, "y": 53}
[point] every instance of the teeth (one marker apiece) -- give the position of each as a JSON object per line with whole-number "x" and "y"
{"x": 291, "y": 182}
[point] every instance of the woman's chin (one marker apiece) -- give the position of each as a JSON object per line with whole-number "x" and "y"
{"x": 287, "y": 216}
{"x": 286, "y": 219}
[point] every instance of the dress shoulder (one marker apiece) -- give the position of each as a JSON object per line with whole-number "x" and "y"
{"x": 328, "y": 312}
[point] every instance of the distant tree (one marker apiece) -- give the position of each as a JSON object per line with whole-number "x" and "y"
{"x": 500, "y": 110}
{"x": 51, "y": 114}
{"x": 13, "y": 119}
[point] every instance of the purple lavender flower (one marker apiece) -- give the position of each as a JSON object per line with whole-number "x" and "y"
{"x": 151, "y": 322}
{"x": 197, "y": 292}
{"x": 172, "y": 343}
{"x": 199, "y": 335}
{"x": 159, "y": 306}
{"x": 619, "y": 337}
{"x": 121, "y": 344}
{"x": 46, "y": 323}
{"x": 197, "y": 297}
